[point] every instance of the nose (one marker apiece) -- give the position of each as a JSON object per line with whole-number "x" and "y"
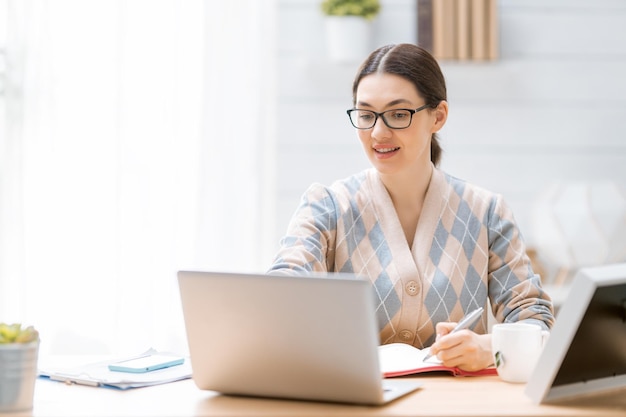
{"x": 380, "y": 130}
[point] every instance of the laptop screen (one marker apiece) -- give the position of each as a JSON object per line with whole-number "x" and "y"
{"x": 586, "y": 350}
{"x": 598, "y": 349}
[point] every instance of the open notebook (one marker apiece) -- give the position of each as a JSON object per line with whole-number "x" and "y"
{"x": 306, "y": 337}
{"x": 400, "y": 359}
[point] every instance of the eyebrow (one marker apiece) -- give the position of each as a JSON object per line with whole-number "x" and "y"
{"x": 391, "y": 103}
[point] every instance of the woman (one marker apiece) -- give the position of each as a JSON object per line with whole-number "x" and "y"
{"x": 434, "y": 247}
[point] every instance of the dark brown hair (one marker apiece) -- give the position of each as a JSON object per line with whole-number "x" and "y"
{"x": 416, "y": 65}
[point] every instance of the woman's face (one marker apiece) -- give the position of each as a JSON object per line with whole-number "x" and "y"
{"x": 389, "y": 150}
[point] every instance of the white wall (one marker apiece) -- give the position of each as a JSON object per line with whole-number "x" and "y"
{"x": 552, "y": 108}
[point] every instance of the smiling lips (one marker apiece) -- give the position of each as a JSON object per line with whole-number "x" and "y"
{"x": 385, "y": 150}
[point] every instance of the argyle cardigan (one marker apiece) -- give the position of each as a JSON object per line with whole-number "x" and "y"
{"x": 467, "y": 253}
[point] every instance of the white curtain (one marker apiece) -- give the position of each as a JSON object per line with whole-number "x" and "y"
{"x": 138, "y": 141}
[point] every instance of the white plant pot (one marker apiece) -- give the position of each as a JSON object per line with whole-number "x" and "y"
{"x": 348, "y": 38}
{"x": 18, "y": 372}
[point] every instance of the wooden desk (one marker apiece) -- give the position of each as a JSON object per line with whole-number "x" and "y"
{"x": 440, "y": 396}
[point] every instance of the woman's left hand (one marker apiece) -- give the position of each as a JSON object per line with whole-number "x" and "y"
{"x": 464, "y": 349}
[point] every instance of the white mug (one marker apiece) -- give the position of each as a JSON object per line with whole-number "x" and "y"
{"x": 516, "y": 347}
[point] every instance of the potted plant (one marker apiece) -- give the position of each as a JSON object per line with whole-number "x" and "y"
{"x": 19, "y": 348}
{"x": 348, "y": 28}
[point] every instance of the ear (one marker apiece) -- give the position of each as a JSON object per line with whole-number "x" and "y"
{"x": 441, "y": 115}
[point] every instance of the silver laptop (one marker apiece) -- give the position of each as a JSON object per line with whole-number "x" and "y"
{"x": 305, "y": 338}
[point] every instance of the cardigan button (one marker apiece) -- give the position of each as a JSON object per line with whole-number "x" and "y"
{"x": 412, "y": 288}
{"x": 406, "y": 335}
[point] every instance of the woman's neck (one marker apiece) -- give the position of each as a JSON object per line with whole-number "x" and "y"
{"x": 408, "y": 192}
{"x": 408, "y": 188}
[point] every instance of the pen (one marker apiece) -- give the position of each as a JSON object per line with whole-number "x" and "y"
{"x": 465, "y": 323}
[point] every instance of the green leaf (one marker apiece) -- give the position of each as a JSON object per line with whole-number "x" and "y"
{"x": 363, "y": 8}
{"x": 14, "y": 333}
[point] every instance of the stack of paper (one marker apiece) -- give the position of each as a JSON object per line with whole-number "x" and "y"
{"x": 98, "y": 374}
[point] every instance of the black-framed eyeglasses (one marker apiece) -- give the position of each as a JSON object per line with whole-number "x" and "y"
{"x": 394, "y": 119}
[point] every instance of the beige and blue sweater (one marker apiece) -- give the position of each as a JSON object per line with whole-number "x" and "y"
{"x": 467, "y": 252}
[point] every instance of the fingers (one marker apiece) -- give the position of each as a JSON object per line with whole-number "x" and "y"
{"x": 443, "y": 328}
{"x": 445, "y": 340}
{"x": 464, "y": 349}
{"x": 453, "y": 349}
{"x": 449, "y": 341}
